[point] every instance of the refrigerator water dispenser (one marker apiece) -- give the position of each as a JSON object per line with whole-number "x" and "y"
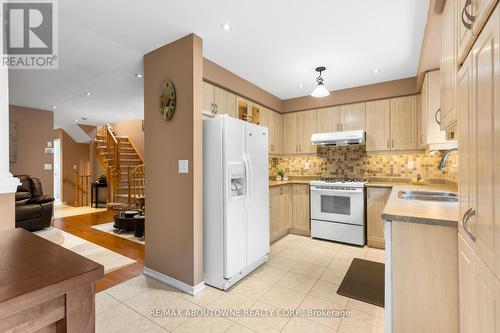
{"x": 237, "y": 179}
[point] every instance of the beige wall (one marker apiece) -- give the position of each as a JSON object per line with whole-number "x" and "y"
{"x": 34, "y": 129}
{"x": 7, "y": 216}
{"x": 132, "y": 129}
{"x": 72, "y": 153}
{"x": 175, "y": 201}
{"x": 220, "y": 76}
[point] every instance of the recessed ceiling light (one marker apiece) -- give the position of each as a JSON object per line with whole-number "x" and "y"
{"x": 376, "y": 71}
{"x": 300, "y": 86}
{"x": 139, "y": 75}
{"x": 84, "y": 118}
{"x": 225, "y": 26}
{"x": 53, "y": 107}
{"x": 88, "y": 93}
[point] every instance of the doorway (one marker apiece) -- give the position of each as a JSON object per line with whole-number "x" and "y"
{"x": 57, "y": 170}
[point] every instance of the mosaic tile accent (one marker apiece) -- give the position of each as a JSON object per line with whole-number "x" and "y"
{"x": 355, "y": 162}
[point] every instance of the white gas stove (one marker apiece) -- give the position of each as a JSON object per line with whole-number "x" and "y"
{"x": 338, "y": 209}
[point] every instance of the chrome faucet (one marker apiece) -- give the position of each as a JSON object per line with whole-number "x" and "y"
{"x": 444, "y": 158}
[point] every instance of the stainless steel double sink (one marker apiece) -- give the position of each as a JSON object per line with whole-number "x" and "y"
{"x": 428, "y": 196}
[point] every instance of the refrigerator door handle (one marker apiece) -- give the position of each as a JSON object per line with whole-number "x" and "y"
{"x": 248, "y": 175}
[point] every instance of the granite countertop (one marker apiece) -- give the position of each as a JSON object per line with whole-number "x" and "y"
{"x": 426, "y": 212}
{"x": 290, "y": 181}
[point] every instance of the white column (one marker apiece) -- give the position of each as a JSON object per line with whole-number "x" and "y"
{"x": 8, "y": 184}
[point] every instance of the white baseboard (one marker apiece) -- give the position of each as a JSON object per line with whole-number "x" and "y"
{"x": 191, "y": 290}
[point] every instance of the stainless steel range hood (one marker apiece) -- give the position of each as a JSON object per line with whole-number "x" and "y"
{"x": 339, "y": 139}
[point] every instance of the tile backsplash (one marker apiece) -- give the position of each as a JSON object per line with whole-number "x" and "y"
{"x": 355, "y": 162}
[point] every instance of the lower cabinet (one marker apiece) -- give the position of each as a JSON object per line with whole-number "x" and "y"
{"x": 300, "y": 210}
{"x": 376, "y": 201}
{"x": 479, "y": 293}
{"x": 280, "y": 215}
{"x": 288, "y": 210}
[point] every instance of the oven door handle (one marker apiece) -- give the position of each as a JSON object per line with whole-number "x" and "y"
{"x": 333, "y": 191}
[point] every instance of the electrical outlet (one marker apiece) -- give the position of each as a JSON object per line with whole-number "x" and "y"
{"x": 410, "y": 164}
{"x": 47, "y": 166}
{"x": 307, "y": 166}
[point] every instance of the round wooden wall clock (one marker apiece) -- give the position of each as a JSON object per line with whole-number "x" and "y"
{"x": 167, "y": 100}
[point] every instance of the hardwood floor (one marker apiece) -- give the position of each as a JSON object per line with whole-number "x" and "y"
{"x": 81, "y": 226}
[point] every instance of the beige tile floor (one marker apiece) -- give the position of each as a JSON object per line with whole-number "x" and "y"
{"x": 302, "y": 273}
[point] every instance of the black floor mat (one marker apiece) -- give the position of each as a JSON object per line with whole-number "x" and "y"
{"x": 364, "y": 281}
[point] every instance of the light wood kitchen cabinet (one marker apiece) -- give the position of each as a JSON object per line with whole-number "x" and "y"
{"x": 378, "y": 125}
{"x": 479, "y": 293}
{"x": 430, "y": 135}
{"x": 273, "y": 121}
{"x": 327, "y": 120}
{"x": 353, "y": 117}
{"x": 404, "y": 123}
{"x": 464, "y": 35}
{"x": 448, "y": 68}
{"x": 299, "y": 127}
{"x": 218, "y": 101}
{"x": 300, "y": 208}
{"x": 280, "y": 204}
{"x": 290, "y": 140}
{"x": 480, "y": 177}
{"x": 376, "y": 201}
{"x": 247, "y": 110}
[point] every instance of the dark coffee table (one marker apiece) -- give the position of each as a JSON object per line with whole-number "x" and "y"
{"x": 127, "y": 223}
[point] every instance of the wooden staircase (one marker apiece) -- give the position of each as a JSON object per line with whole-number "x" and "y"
{"x": 124, "y": 166}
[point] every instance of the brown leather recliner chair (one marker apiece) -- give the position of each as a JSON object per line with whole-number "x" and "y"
{"x": 33, "y": 209}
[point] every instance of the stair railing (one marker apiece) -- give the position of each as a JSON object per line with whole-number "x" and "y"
{"x": 112, "y": 160}
{"x": 136, "y": 183}
{"x": 82, "y": 186}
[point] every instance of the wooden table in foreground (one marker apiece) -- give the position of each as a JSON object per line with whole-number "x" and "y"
{"x": 45, "y": 287}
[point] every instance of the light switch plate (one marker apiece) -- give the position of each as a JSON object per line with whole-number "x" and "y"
{"x": 49, "y": 150}
{"x": 410, "y": 164}
{"x": 47, "y": 166}
{"x": 307, "y": 166}
{"x": 75, "y": 167}
{"x": 49, "y": 144}
{"x": 183, "y": 166}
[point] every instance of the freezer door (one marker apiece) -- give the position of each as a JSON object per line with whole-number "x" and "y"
{"x": 257, "y": 197}
{"x": 234, "y": 219}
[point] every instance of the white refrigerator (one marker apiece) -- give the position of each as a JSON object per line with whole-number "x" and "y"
{"x": 236, "y": 199}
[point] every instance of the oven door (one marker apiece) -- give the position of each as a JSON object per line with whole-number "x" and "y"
{"x": 337, "y": 205}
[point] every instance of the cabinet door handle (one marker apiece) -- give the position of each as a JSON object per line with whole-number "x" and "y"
{"x": 388, "y": 143}
{"x": 392, "y": 143}
{"x": 467, "y": 15}
{"x": 465, "y": 223}
{"x": 438, "y": 121}
{"x": 216, "y": 108}
{"x": 212, "y": 107}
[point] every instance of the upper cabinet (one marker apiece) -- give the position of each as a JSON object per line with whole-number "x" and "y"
{"x": 430, "y": 134}
{"x": 392, "y": 124}
{"x": 404, "y": 123}
{"x": 273, "y": 121}
{"x": 471, "y": 16}
{"x": 327, "y": 120}
{"x": 378, "y": 125}
{"x": 448, "y": 113}
{"x": 218, "y": 101}
{"x": 298, "y": 129}
{"x": 247, "y": 110}
{"x": 352, "y": 117}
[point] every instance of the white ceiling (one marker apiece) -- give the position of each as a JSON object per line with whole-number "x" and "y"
{"x": 275, "y": 44}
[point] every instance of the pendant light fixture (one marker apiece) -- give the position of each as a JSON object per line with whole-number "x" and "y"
{"x": 320, "y": 90}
